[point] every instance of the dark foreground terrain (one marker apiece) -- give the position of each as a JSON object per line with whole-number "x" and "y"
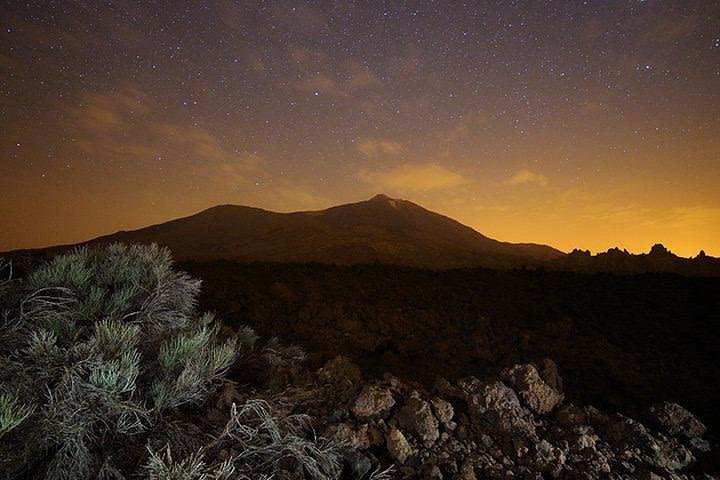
{"x": 622, "y": 341}
{"x": 109, "y": 363}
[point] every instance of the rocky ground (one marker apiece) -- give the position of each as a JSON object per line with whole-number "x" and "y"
{"x": 515, "y": 426}
{"x": 622, "y": 341}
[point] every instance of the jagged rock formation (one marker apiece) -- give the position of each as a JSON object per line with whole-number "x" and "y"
{"x": 513, "y": 427}
{"x": 658, "y": 259}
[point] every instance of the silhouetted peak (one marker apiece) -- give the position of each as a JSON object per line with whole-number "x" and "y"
{"x": 381, "y": 197}
{"x": 701, "y": 254}
{"x": 226, "y": 210}
{"x": 659, "y": 249}
{"x": 226, "y": 207}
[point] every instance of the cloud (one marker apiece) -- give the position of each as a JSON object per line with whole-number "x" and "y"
{"x": 693, "y": 217}
{"x": 125, "y": 128}
{"x": 346, "y": 79}
{"x": 126, "y": 122}
{"x": 413, "y": 178}
{"x": 464, "y": 128}
{"x": 235, "y": 170}
{"x": 378, "y": 146}
{"x": 105, "y": 113}
{"x": 525, "y": 176}
{"x": 289, "y": 197}
{"x": 340, "y": 84}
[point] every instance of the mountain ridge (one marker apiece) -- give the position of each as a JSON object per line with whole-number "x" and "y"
{"x": 381, "y": 229}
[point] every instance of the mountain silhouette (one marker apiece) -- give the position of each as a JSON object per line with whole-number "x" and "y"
{"x": 381, "y": 229}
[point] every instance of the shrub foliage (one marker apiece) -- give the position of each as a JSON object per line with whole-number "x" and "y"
{"x": 104, "y": 364}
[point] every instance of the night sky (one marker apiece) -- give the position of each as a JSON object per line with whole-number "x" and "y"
{"x": 577, "y": 124}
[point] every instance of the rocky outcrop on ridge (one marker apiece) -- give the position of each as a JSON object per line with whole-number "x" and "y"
{"x": 517, "y": 426}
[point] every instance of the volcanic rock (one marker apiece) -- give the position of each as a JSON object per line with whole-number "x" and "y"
{"x": 569, "y": 414}
{"x": 398, "y": 446}
{"x": 373, "y": 401}
{"x": 490, "y": 431}
{"x": 361, "y": 437}
{"x": 340, "y": 370}
{"x": 496, "y": 407}
{"x": 548, "y": 458}
{"x": 357, "y": 465}
{"x": 417, "y": 417}
{"x": 443, "y": 411}
{"x": 675, "y": 420}
{"x": 626, "y": 434}
{"x": 550, "y": 375}
{"x": 536, "y": 394}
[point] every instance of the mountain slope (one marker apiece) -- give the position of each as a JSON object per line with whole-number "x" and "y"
{"x": 380, "y": 229}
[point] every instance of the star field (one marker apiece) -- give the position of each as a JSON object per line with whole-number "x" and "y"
{"x": 577, "y": 124}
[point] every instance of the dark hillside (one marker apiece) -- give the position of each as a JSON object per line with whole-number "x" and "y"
{"x": 623, "y": 341}
{"x": 381, "y": 229}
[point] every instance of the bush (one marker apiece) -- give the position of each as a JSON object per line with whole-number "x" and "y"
{"x": 105, "y": 366}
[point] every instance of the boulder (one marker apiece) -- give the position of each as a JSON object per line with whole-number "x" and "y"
{"x": 626, "y": 434}
{"x": 519, "y": 429}
{"x": 467, "y": 471}
{"x": 373, "y": 401}
{"x": 535, "y": 393}
{"x": 581, "y": 437}
{"x": 699, "y": 445}
{"x": 443, "y": 410}
{"x": 356, "y": 464}
{"x": 362, "y": 437}
{"x": 673, "y": 419}
{"x": 417, "y": 417}
{"x": 496, "y": 408}
{"x": 595, "y": 417}
{"x": 550, "y": 374}
{"x": 397, "y": 445}
{"x": 549, "y": 458}
{"x": 340, "y": 370}
{"x": 569, "y": 415}
{"x": 432, "y": 472}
